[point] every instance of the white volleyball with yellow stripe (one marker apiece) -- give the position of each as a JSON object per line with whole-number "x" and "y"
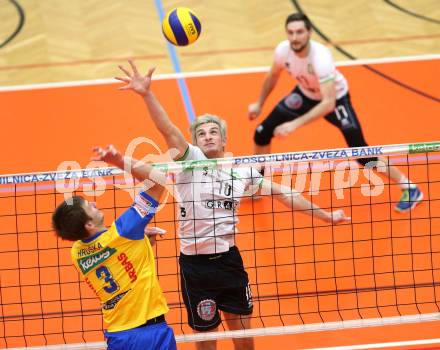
{"x": 181, "y": 26}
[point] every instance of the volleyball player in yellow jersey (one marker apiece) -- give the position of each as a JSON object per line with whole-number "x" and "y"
{"x": 118, "y": 262}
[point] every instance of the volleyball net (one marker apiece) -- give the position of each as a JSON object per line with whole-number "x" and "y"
{"x": 381, "y": 268}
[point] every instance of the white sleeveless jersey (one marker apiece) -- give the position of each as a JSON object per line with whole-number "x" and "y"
{"x": 311, "y": 71}
{"x": 207, "y": 204}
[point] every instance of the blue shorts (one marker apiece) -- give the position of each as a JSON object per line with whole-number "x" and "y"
{"x": 157, "y": 336}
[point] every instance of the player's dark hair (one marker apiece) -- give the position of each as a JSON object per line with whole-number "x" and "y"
{"x": 299, "y": 17}
{"x": 69, "y": 219}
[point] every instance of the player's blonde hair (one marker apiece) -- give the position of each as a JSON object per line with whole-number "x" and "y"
{"x": 205, "y": 119}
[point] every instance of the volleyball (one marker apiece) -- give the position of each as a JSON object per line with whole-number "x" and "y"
{"x": 181, "y": 26}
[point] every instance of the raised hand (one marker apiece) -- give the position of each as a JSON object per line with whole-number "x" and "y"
{"x": 285, "y": 129}
{"x": 254, "y": 110}
{"x": 135, "y": 81}
{"x": 109, "y": 155}
{"x": 339, "y": 216}
{"x": 152, "y": 232}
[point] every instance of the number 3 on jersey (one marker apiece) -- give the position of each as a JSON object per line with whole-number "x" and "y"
{"x": 103, "y": 272}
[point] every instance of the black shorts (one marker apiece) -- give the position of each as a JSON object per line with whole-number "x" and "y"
{"x": 212, "y": 282}
{"x": 296, "y": 104}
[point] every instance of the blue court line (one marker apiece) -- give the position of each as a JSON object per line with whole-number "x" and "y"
{"x": 184, "y": 92}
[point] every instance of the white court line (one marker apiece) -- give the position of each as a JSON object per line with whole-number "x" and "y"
{"x": 382, "y": 345}
{"x": 208, "y": 73}
{"x": 284, "y": 330}
{"x": 102, "y": 345}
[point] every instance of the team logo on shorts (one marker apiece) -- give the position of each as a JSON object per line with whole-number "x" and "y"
{"x": 294, "y": 101}
{"x": 206, "y": 309}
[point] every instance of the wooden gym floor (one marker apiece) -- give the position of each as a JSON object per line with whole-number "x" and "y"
{"x": 86, "y": 39}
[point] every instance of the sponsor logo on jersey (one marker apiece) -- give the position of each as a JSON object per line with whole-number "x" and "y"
{"x": 207, "y": 309}
{"x": 128, "y": 266}
{"x": 141, "y": 211}
{"x": 90, "y": 285}
{"x": 235, "y": 175}
{"x": 110, "y": 304}
{"x": 142, "y": 206}
{"x": 222, "y": 204}
{"x": 190, "y": 165}
{"x": 144, "y": 202}
{"x": 90, "y": 262}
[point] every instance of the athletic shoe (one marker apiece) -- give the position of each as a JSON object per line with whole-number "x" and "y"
{"x": 410, "y": 198}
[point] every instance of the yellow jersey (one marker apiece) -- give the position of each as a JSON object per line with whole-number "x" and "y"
{"x": 118, "y": 264}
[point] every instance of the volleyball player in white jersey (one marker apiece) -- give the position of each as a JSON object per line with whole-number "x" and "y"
{"x": 321, "y": 91}
{"x": 212, "y": 273}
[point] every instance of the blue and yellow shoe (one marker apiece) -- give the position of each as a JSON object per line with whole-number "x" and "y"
{"x": 410, "y": 198}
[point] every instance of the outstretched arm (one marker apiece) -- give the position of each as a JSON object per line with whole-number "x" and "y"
{"x": 268, "y": 85}
{"x": 141, "y": 85}
{"x": 139, "y": 170}
{"x": 296, "y": 201}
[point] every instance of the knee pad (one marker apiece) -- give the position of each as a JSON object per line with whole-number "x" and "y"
{"x": 262, "y": 136}
{"x": 366, "y": 161}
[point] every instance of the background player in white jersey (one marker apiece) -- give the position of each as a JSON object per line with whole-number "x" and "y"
{"x": 321, "y": 91}
{"x": 118, "y": 263}
{"x": 212, "y": 273}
